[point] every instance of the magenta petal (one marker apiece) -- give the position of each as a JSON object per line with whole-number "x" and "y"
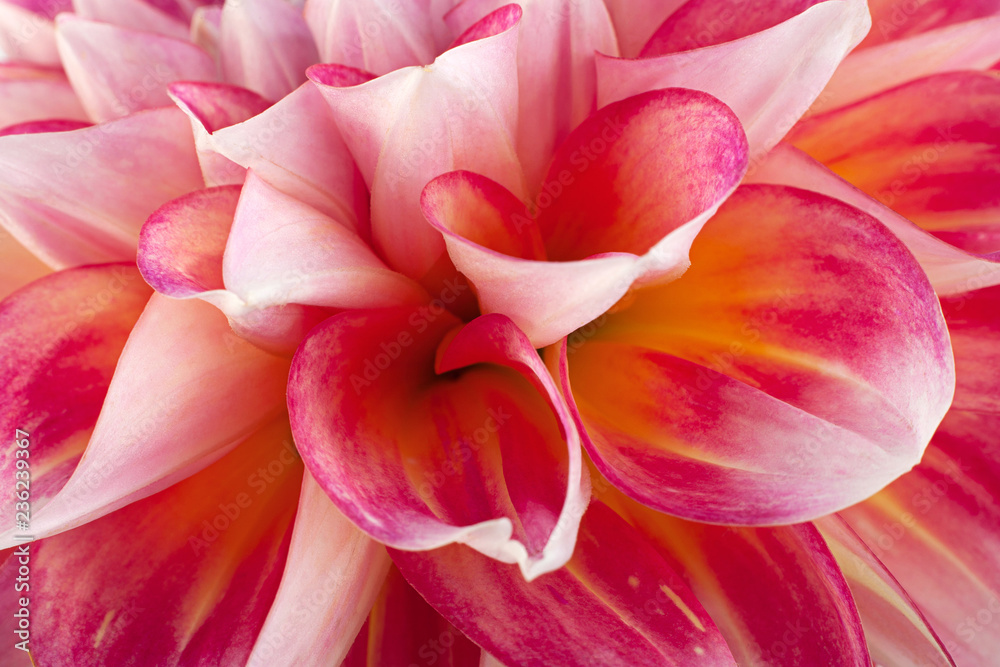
{"x": 974, "y": 324}
{"x": 68, "y": 215}
{"x": 618, "y": 601}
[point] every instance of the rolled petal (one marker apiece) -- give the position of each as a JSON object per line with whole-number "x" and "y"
{"x": 970, "y": 45}
{"x": 117, "y": 71}
{"x": 974, "y": 324}
{"x": 760, "y": 388}
{"x": 935, "y": 530}
{"x": 28, "y": 93}
{"x": 296, "y": 147}
{"x": 951, "y": 270}
{"x": 557, "y": 45}
{"x": 153, "y": 429}
{"x": 895, "y": 630}
{"x": 926, "y": 149}
{"x": 133, "y": 14}
{"x": 618, "y": 602}
{"x": 206, "y": 30}
{"x": 374, "y": 35}
{"x": 61, "y": 337}
{"x": 29, "y": 36}
{"x": 481, "y": 450}
{"x": 185, "y": 576}
{"x": 68, "y": 215}
{"x": 409, "y": 126}
{"x": 404, "y": 630}
{"x": 332, "y": 577}
{"x": 266, "y": 46}
{"x": 623, "y": 200}
{"x": 776, "y": 594}
{"x": 212, "y": 107}
{"x": 18, "y": 266}
{"x": 777, "y": 62}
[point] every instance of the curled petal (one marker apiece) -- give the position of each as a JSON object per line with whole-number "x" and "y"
{"x": 935, "y": 530}
{"x": 332, "y": 577}
{"x": 413, "y": 124}
{"x": 118, "y": 71}
{"x": 478, "y": 449}
{"x": 769, "y": 78}
{"x": 754, "y": 390}
{"x": 266, "y": 46}
{"x": 185, "y": 576}
{"x": 153, "y": 430}
{"x": 618, "y": 602}
{"x": 68, "y": 215}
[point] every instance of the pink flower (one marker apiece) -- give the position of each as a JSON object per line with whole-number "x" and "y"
{"x": 564, "y": 332}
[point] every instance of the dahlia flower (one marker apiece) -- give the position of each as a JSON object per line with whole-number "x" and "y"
{"x": 461, "y": 332}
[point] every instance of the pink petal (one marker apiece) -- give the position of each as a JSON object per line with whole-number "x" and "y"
{"x": 184, "y": 577}
{"x": 266, "y": 46}
{"x": 951, "y": 270}
{"x": 212, "y": 107}
{"x": 68, "y": 215}
{"x": 61, "y": 337}
{"x": 776, "y": 594}
{"x": 42, "y": 126}
{"x": 926, "y": 149}
{"x": 895, "y": 630}
{"x": 866, "y": 72}
{"x": 117, "y": 71}
{"x": 893, "y": 21}
{"x": 133, "y": 14}
{"x": 374, "y": 35}
{"x": 974, "y": 324}
{"x": 769, "y": 78}
{"x": 332, "y": 577}
{"x": 480, "y": 451}
{"x": 618, "y": 602}
{"x": 935, "y": 530}
{"x": 18, "y": 266}
{"x": 296, "y": 147}
{"x": 637, "y": 20}
{"x": 15, "y": 653}
{"x": 556, "y": 53}
{"x": 185, "y": 391}
{"x": 26, "y": 36}
{"x": 206, "y": 30}
{"x": 759, "y": 388}
{"x": 28, "y": 94}
{"x": 416, "y": 123}
{"x": 623, "y": 200}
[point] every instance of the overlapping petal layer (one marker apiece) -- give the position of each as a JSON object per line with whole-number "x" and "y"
{"x": 424, "y": 437}
{"x": 36, "y": 93}
{"x": 623, "y": 200}
{"x": 800, "y": 365}
{"x": 974, "y": 324}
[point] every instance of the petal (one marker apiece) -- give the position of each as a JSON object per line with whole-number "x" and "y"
{"x": 896, "y": 632}
{"x": 926, "y": 149}
{"x": 67, "y": 215}
{"x": 206, "y": 30}
{"x": 296, "y": 147}
{"x": 769, "y": 78}
{"x": 637, "y": 20}
{"x": 623, "y": 200}
{"x": 185, "y": 391}
{"x": 951, "y": 270}
{"x": 480, "y": 451}
{"x": 266, "y": 46}
{"x": 26, "y": 36}
{"x": 18, "y": 266}
{"x": 212, "y": 107}
{"x": 868, "y": 71}
{"x": 332, "y": 577}
{"x": 413, "y": 124}
{"x": 894, "y": 21}
{"x": 557, "y": 45}
{"x": 374, "y": 35}
{"x": 404, "y": 630}
{"x": 935, "y": 530}
{"x": 61, "y": 337}
{"x": 974, "y": 324}
{"x": 15, "y": 653}
{"x": 183, "y": 577}
{"x": 759, "y": 388}
{"x": 28, "y": 94}
{"x": 776, "y": 594}
{"x": 118, "y": 71}
{"x": 133, "y": 14}
{"x": 618, "y": 602}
